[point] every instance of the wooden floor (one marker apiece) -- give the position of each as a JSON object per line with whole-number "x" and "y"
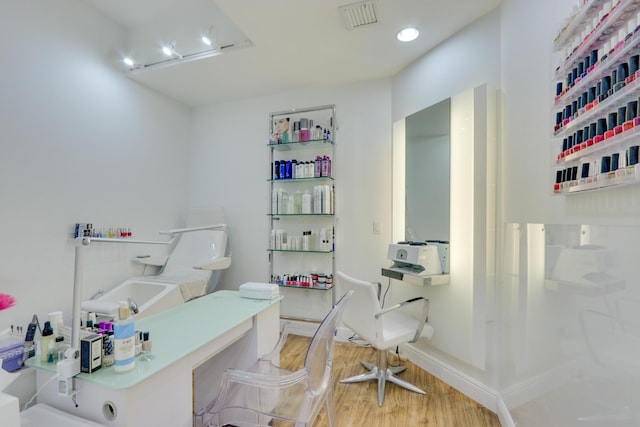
{"x": 357, "y": 404}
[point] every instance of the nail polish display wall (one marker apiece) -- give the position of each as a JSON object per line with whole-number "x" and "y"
{"x": 302, "y": 214}
{"x": 596, "y": 116}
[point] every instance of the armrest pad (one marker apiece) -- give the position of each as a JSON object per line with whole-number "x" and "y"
{"x": 216, "y": 264}
{"x": 158, "y": 261}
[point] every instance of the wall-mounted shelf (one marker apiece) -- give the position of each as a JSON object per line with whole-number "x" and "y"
{"x": 302, "y": 214}
{"x": 596, "y": 126}
{"x": 416, "y": 279}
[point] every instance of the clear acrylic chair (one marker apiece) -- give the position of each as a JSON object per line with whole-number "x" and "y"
{"x": 383, "y": 329}
{"x": 267, "y": 395}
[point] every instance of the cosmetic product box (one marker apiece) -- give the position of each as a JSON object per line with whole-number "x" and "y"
{"x": 90, "y": 353}
{"x": 255, "y": 290}
{"x": 11, "y": 350}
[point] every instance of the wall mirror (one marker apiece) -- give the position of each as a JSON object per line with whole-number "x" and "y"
{"x": 427, "y": 173}
{"x": 421, "y": 174}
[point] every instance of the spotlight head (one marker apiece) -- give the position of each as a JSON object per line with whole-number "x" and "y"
{"x": 128, "y": 61}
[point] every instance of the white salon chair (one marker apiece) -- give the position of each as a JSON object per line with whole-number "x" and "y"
{"x": 383, "y": 329}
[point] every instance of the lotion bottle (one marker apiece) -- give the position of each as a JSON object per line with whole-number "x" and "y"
{"x": 46, "y": 341}
{"x": 124, "y": 340}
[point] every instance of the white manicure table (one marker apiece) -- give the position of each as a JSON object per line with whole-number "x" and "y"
{"x": 193, "y": 344}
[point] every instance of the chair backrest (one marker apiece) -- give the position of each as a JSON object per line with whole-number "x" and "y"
{"x": 319, "y": 358}
{"x": 362, "y": 308}
{"x": 196, "y": 248}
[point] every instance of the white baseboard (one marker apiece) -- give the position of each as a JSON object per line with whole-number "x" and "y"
{"x": 462, "y": 382}
{"x": 504, "y": 416}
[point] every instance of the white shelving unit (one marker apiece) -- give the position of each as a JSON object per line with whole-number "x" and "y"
{"x": 596, "y": 121}
{"x": 302, "y": 214}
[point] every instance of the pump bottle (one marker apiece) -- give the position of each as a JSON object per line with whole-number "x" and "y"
{"x": 124, "y": 340}
{"x": 46, "y": 340}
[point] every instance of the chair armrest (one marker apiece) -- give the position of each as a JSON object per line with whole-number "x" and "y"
{"x": 216, "y": 264}
{"x": 423, "y": 316}
{"x": 284, "y": 334}
{"x": 158, "y": 261}
{"x": 175, "y": 231}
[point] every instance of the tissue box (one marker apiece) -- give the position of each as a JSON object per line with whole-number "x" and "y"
{"x": 259, "y": 290}
{"x": 11, "y": 349}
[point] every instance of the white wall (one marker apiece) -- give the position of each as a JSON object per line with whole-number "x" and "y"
{"x": 469, "y": 59}
{"x": 547, "y": 372}
{"x": 231, "y": 165}
{"x": 79, "y": 142}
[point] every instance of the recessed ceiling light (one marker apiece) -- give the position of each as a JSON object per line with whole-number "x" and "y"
{"x": 408, "y": 34}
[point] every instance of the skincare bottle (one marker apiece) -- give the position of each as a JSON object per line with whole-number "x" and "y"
{"x": 146, "y": 343}
{"x": 124, "y": 339}
{"x": 46, "y": 341}
{"x": 107, "y": 349}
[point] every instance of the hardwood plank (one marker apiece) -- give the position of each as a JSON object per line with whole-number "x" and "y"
{"x": 357, "y": 404}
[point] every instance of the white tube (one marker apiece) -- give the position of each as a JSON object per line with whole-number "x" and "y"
{"x": 77, "y": 291}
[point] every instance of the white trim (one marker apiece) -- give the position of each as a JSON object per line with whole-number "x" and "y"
{"x": 504, "y": 416}
{"x": 462, "y": 382}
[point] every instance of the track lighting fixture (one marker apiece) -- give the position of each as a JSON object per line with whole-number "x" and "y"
{"x": 172, "y": 56}
{"x": 211, "y": 38}
{"x": 170, "y": 50}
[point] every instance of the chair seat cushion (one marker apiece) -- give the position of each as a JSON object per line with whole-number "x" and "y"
{"x": 397, "y": 328}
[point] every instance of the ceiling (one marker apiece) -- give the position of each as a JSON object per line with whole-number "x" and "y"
{"x": 277, "y": 45}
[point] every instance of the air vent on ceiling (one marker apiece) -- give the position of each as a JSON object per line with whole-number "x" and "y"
{"x": 358, "y": 15}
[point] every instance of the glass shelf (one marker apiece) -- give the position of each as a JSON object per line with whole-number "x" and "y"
{"x": 305, "y": 287}
{"x": 596, "y": 39}
{"x": 574, "y": 27}
{"x": 315, "y": 178}
{"x": 306, "y": 215}
{"x": 299, "y": 251}
{"x": 314, "y": 143}
{"x": 630, "y": 47}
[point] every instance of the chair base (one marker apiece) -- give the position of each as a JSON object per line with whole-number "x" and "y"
{"x": 382, "y": 373}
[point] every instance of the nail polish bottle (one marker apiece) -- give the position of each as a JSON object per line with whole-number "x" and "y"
{"x": 605, "y": 86}
{"x": 577, "y": 140}
{"x": 634, "y": 61}
{"x": 631, "y": 28}
{"x": 632, "y": 112}
{"x": 584, "y": 175}
{"x": 557, "y": 184}
{"x": 558, "y": 124}
{"x": 623, "y": 73}
{"x": 601, "y": 129}
{"x": 622, "y": 115}
{"x": 593, "y": 132}
{"x": 612, "y": 122}
{"x": 591, "y": 97}
{"x": 304, "y": 130}
{"x": 585, "y": 137}
{"x": 622, "y": 33}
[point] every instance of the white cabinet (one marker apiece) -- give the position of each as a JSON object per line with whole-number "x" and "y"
{"x": 596, "y": 122}
{"x": 302, "y": 213}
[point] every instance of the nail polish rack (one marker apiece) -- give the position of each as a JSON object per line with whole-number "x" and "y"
{"x": 596, "y": 120}
{"x": 302, "y": 214}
